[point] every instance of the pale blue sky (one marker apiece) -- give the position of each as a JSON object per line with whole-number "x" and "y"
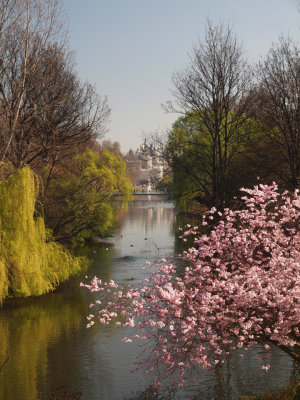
{"x": 131, "y": 48}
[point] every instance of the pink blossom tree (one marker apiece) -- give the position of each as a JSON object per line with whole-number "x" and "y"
{"x": 241, "y": 286}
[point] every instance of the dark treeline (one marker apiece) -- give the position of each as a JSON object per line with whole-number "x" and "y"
{"x": 51, "y": 121}
{"x": 239, "y": 122}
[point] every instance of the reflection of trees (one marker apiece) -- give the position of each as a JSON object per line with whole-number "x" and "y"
{"x": 101, "y": 264}
{"x": 79, "y": 362}
{"x": 121, "y": 211}
{"x": 238, "y": 376}
{"x": 26, "y": 333}
{"x": 180, "y": 220}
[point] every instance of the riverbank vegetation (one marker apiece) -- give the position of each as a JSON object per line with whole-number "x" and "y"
{"x": 77, "y": 204}
{"x": 60, "y": 178}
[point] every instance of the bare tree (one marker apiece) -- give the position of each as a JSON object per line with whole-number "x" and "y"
{"x": 46, "y": 112}
{"x": 279, "y": 92}
{"x": 113, "y": 147}
{"x": 57, "y": 113}
{"x": 27, "y": 27}
{"x": 215, "y": 88}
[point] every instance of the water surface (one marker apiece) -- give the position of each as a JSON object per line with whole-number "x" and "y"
{"x": 49, "y": 346}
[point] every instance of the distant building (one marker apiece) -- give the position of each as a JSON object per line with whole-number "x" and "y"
{"x": 152, "y": 164}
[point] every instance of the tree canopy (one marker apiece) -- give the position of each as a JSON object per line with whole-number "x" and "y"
{"x": 77, "y": 203}
{"x": 189, "y": 152}
{"x": 237, "y": 121}
{"x": 215, "y": 89}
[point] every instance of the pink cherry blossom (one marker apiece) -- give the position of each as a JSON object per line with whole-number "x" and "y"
{"x": 240, "y": 287}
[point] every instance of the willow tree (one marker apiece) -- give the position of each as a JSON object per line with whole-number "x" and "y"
{"x": 215, "y": 87}
{"x": 30, "y": 263}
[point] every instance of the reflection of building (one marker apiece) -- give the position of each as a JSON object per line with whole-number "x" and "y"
{"x": 152, "y": 164}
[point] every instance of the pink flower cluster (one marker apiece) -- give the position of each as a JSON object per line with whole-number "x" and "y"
{"x": 241, "y": 287}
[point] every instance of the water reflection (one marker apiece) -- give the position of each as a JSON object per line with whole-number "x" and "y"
{"x": 241, "y": 376}
{"x": 27, "y": 333}
{"x": 49, "y": 345}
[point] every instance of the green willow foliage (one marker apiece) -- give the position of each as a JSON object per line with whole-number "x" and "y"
{"x": 29, "y": 264}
